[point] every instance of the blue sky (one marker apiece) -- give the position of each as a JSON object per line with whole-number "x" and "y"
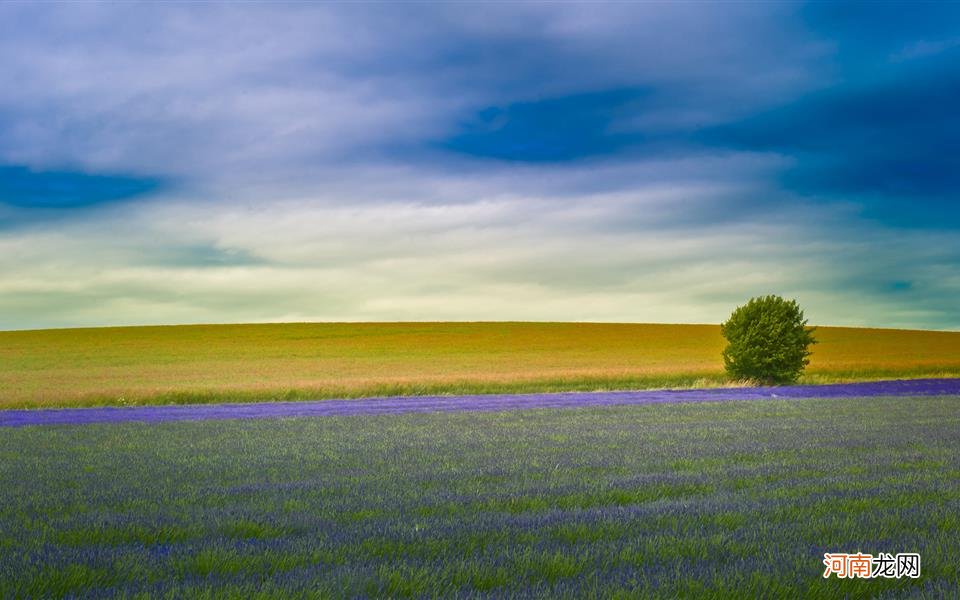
{"x": 648, "y": 162}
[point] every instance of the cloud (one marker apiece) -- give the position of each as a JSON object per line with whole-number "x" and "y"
{"x": 556, "y": 129}
{"x": 485, "y": 255}
{"x": 892, "y": 143}
{"x": 28, "y": 197}
{"x": 211, "y": 91}
{"x": 640, "y": 162}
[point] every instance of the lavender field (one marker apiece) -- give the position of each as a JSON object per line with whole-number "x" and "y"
{"x": 718, "y": 499}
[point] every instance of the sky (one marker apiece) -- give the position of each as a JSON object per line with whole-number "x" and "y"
{"x": 628, "y": 162}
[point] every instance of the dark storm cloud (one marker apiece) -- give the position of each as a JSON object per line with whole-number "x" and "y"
{"x": 892, "y": 142}
{"x": 29, "y": 196}
{"x": 556, "y": 129}
{"x": 25, "y": 188}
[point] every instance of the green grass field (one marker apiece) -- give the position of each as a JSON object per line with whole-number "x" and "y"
{"x": 714, "y": 500}
{"x": 126, "y": 365}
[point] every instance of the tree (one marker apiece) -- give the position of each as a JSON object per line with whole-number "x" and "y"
{"x": 768, "y": 340}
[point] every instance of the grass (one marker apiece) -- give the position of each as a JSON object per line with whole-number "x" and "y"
{"x": 727, "y": 500}
{"x": 210, "y": 363}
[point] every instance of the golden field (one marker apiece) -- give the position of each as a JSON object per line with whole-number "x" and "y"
{"x": 203, "y": 363}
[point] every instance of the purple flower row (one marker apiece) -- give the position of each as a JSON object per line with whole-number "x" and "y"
{"x": 493, "y": 402}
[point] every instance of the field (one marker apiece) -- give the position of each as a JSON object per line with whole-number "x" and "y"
{"x": 129, "y": 365}
{"x": 735, "y": 499}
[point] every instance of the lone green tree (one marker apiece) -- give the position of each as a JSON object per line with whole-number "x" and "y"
{"x": 767, "y": 340}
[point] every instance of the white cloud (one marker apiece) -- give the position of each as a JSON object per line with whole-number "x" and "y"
{"x": 485, "y": 254}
